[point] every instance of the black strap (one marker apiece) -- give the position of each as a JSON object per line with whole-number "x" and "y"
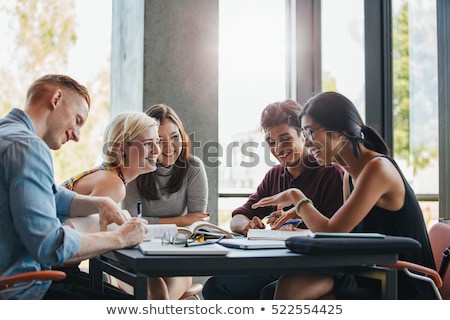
{"x": 444, "y": 262}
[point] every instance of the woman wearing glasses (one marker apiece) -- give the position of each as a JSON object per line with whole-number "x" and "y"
{"x": 377, "y": 198}
{"x": 177, "y": 192}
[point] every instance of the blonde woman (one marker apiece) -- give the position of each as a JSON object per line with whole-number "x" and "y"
{"x": 130, "y": 148}
{"x": 177, "y": 191}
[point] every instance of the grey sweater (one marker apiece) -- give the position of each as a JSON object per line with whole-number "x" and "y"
{"x": 192, "y": 196}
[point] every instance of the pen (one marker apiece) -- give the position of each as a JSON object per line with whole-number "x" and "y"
{"x": 267, "y": 217}
{"x": 295, "y": 222}
{"x": 139, "y": 208}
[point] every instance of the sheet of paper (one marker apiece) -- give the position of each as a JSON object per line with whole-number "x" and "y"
{"x": 156, "y": 231}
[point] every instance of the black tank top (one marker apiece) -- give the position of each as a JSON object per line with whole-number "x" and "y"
{"x": 406, "y": 222}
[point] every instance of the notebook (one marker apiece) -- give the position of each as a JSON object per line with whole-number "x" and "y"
{"x": 156, "y": 248}
{"x": 268, "y": 234}
{"x": 246, "y": 244}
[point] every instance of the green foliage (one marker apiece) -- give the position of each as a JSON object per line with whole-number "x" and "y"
{"x": 45, "y": 34}
{"x": 42, "y": 34}
{"x": 401, "y": 114}
{"x": 418, "y": 157}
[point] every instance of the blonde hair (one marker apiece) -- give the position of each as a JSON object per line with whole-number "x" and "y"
{"x": 123, "y": 129}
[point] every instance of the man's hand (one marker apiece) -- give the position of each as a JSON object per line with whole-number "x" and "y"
{"x": 133, "y": 231}
{"x": 129, "y": 234}
{"x": 254, "y": 223}
{"x": 110, "y": 212}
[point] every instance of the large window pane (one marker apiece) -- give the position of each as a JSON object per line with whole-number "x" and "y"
{"x": 343, "y": 49}
{"x": 81, "y": 49}
{"x": 252, "y": 63}
{"x": 415, "y": 97}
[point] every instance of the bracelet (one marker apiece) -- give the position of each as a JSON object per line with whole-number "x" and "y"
{"x": 302, "y": 201}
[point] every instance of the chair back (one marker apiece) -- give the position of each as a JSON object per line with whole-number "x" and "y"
{"x": 440, "y": 240}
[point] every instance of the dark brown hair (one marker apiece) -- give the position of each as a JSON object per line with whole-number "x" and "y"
{"x": 278, "y": 113}
{"x": 335, "y": 112}
{"x": 146, "y": 182}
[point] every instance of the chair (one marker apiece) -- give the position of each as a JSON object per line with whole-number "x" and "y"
{"x": 27, "y": 279}
{"x": 440, "y": 240}
{"x": 439, "y": 235}
{"x": 192, "y": 292}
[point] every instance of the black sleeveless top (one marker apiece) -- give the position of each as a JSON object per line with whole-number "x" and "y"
{"x": 406, "y": 222}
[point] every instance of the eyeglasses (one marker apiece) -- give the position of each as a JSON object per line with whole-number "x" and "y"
{"x": 182, "y": 240}
{"x": 308, "y": 134}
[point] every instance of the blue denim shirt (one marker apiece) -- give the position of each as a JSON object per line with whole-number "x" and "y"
{"x": 31, "y": 207}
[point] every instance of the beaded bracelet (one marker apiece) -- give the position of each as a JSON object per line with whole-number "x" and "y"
{"x": 302, "y": 201}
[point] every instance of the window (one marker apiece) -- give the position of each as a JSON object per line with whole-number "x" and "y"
{"x": 252, "y": 56}
{"x": 343, "y": 49}
{"x": 415, "y": 95}
{"x": 252, "y": 74}
{"x": 34, "y": 43}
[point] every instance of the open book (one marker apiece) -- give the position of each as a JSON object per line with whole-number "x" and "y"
{"x": 268, "y": 234}
{"x": 155, "y": 231}
{"x": 206, "y": 228}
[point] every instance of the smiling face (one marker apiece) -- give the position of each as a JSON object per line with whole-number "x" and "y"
{"x": 143, "y": 151}
{"x": 322, "y": 144}
{"x": 286, "y": 145}
{"x": 68, "y": 116}
{"x": 170, "y": 141}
